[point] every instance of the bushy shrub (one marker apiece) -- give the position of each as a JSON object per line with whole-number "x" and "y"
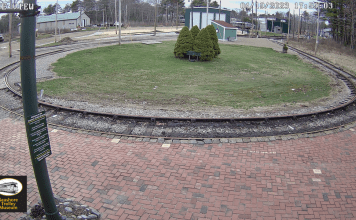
{"x": 203, "y": 45}
{"x": 194, "y": 31}
{"x": 184, "y": 43}
{"x": 214, "y": 39}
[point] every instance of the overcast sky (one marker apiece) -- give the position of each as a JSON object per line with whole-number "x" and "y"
{"x": 229, "y": 4}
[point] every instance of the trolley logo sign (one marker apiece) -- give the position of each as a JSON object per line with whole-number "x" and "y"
{"x": 13, "y": 193}
{"x": 20, "y": 6}
{"x": 38, "y": 136}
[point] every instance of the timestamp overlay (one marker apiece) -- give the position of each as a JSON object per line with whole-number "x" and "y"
{"x": 285, "y": 5}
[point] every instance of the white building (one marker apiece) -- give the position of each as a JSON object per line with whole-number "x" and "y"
{"x": 64, "y": 21}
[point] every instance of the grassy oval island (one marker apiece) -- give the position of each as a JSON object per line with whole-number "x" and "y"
{"x": 241, "y": 77}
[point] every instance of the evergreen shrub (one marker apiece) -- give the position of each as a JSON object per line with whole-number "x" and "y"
{"x": 203, "y": 45}
{"x": 194, "y": 31}
{"x": 184, "y": 43}
{"x": 214, "y": 39}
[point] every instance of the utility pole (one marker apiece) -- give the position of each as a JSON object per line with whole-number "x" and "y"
{"x": 126, "y": 16}
{"x": 177, "y": 15}
{"x": 219, "y": 10}
{"x": 288, "y": 25}
{"x": 56, "y": 26}
{"x": 10, "y": 30}
{"x": 251, "y": 18}
{"x": 30, "y": 106}
{"x": 166, "y": 15}
{"x": 293, "y": 23}
{"x": 116, "y": 18}
{"x": 191, "y": 6}
{"x": 273, "y": 26}
{"x": 317, "y": 30}
{"x": 80, "y": 15}
{"x": 119, "y": 22}
{"x": 256, "y": 19}
{"x": 299, "y": 24}
{"x": 352, "y": 25}
{"x": 103, "y": 18}
{"x": 155, "y": 19}
{"x": 266, "y": 23}
{"x": 207, "y": 12}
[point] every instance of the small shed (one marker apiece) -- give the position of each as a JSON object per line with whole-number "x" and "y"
{"x": 198, "y": 16}
{"x": 282, "y": 25}
{"x": 224, "y": 30}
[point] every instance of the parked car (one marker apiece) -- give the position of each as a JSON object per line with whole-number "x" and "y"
{"x": 1, "y": 38}
{"x": 181, "y": 19}
{"x": 118, "y": 23}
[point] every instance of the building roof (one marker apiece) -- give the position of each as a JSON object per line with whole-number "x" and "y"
{"x": 204, "y": 7}
{"x": 60, "y": 17}
{"x": 223, "y": 23}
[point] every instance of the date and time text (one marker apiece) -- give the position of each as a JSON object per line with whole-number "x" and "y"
{"x": 284, "y": 5}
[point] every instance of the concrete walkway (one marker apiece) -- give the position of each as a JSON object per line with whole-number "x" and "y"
{"x": 306, "y": 178}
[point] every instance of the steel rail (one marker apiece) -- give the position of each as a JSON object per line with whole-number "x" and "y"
{"x": 343, "y": 104}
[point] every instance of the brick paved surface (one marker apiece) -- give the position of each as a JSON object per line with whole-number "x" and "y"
{"x": 306, "y": 178}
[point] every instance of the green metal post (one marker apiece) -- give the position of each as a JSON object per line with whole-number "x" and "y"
{"x": 29, "y": 94}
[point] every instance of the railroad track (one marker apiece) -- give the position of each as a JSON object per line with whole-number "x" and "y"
{"x": 141, "y": 126}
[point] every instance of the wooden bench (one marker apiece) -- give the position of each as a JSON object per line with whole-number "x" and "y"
{"x": 192, "y": 53}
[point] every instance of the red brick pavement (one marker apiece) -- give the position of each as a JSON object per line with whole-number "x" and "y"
{"x": 142, "y": 180}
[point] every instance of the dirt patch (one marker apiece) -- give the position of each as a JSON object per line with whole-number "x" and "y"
{"x": 67, "y": 40}
{"x": 54, "y": 75}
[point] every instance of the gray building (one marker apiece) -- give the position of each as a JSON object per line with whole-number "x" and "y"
{"x": 64, "y": 21}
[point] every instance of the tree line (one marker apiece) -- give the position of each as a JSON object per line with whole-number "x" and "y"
{"x": 102, "y": 11}
{"x": 342, "y": 18}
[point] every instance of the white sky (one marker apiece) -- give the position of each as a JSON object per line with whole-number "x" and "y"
{"x": 230, "y": 4}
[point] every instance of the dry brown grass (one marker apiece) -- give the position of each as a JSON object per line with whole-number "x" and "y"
{"x": 330, "y": 50}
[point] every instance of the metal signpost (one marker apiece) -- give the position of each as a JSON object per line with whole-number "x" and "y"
{"x": 36, "y": 126}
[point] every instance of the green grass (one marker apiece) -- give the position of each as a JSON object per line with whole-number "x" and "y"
{"x": 241, "y": 77}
